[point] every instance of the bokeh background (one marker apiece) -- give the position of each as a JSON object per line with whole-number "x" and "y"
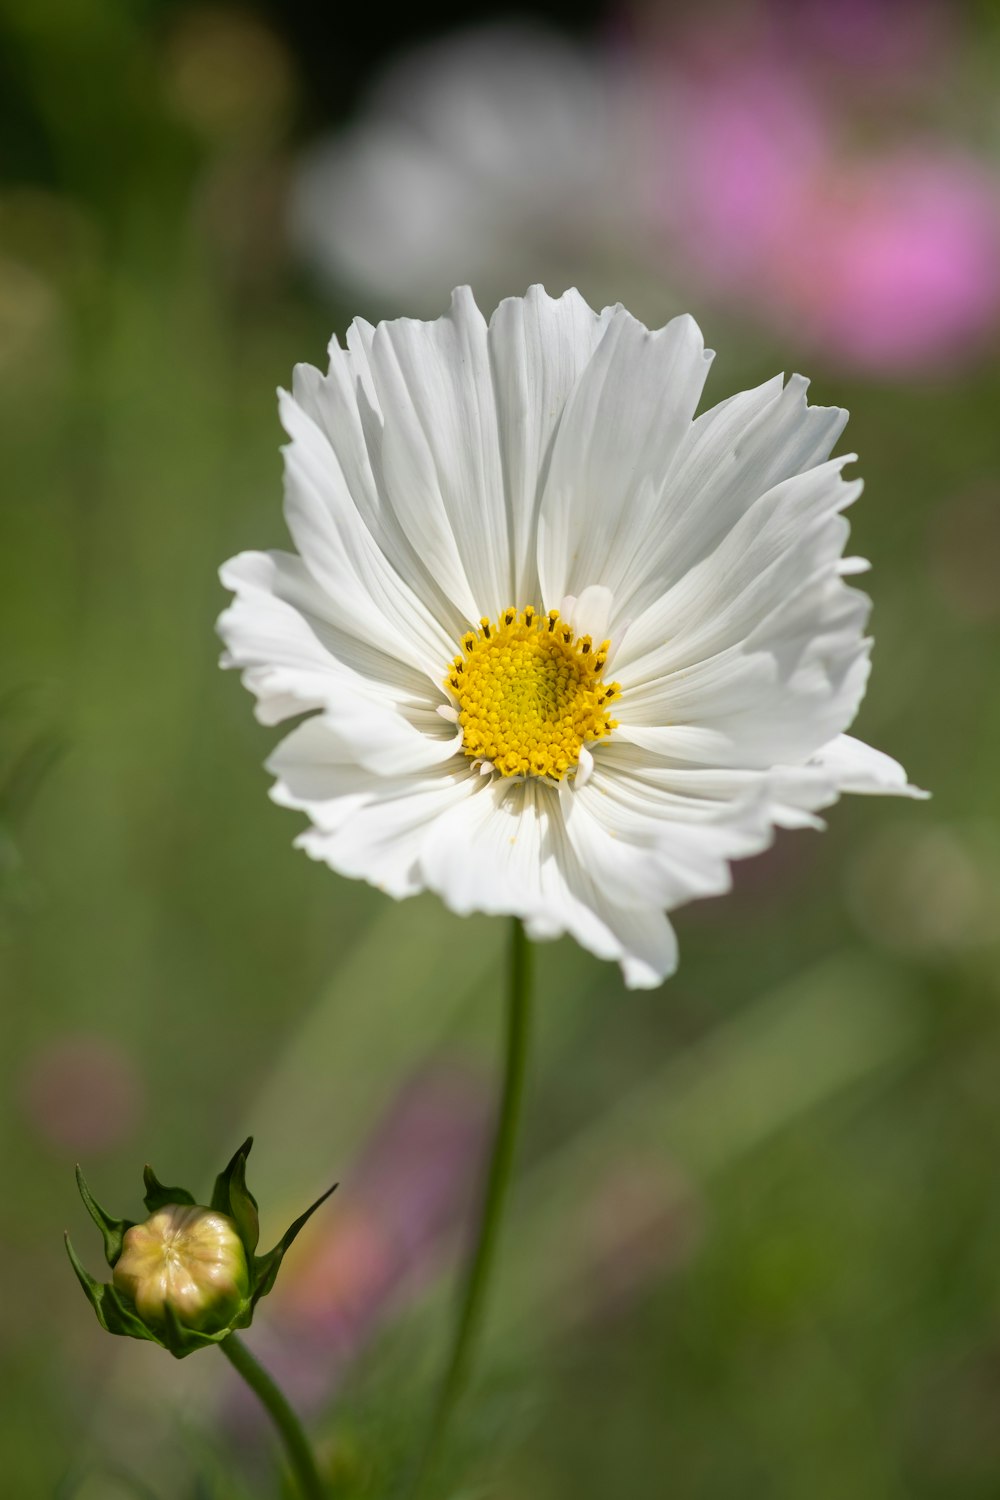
{"x": 754, "y": 1248}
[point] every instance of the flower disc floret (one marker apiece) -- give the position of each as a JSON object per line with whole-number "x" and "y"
{"x": 530, "y": 693}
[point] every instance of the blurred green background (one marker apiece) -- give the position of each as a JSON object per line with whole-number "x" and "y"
{"x": 755, "y": 1244}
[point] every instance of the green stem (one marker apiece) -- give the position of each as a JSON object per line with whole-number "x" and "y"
{"x": 473, "y": 1298}
{"x": 300, "y": 1454}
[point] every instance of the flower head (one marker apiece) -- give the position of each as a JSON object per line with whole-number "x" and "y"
{"x": 565, "y": 649}
{"x": 189, "y": 1275}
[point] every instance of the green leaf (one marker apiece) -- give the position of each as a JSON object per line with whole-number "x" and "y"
{"x": 92, "y": 1288}
{"x": 112, "y": 1230}
{"x": 122, "y": 1317}
{"x": 158, "y": 1195}
{"x": 183, "y": 1341}
{"x": 112, "y": 1313}
{"x": 265, "y": 1267}
{"x": 232, "y": 1196}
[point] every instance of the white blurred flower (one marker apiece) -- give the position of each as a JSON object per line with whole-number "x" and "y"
{"x": 496, "y": 157}
{"x": 566, "y": 649}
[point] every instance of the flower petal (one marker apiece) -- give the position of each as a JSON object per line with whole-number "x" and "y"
{"x": 620, "y": 432}
{"x": 857, "y": 767}
{"x": 278, "y": 630}
{"x": 649, "y": 848}
{"x": 728, "y": 457}
{"x": 580, "y": 903}
{"x": 539, "y": 347}
{"x": 757, "y": 654}
{"x": 294, "y": 660}
{"x": 786, "y": 796}
{"x": 789, "y": 533}
{"x": 377, "y": 834}
{"x": 486, "y": 854}
{"x": 504, "y": 850}
{"x": 440, "y": 451}
{"x": 366, "y": 596}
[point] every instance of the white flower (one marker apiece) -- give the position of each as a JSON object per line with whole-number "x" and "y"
{"x": 566, "y": 649}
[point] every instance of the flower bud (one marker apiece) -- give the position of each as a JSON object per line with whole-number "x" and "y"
{"x": 189, "y": 1259}
{"x": 189, "y": 1275}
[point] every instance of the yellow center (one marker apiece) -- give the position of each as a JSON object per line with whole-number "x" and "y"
{"x": 529, "y": 695}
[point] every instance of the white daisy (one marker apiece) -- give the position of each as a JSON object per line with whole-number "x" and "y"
{"x": 566, "y": 649}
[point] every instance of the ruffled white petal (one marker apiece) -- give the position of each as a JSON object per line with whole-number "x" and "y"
{"x": 786, "y": 796}
{"x": 654, "y": 848}
{"x": 729, "y": 456}
{"x": 279, "y": 632}
{"x": 486, "y": 853}
{"x": 620, "y": 432}
{"x": 505, "y": 850}
{"x": 377, "y": 833}
{"x": 366, "y": 595}
{"x": 857, "y": 767}
{"x": 757, "y": 655}
{"x": 440, "y": 454}
{"x": 442, "y": 434}
{"x": 293, "y": 660}
{"x": 581, "y": 902}
{"x": 789, "y": 533}
{"x": 539, "y": 347}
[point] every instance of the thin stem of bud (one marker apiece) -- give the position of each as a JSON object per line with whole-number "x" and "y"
{"x": 501, "y": 1164}
{"x": 297, "y": 1447}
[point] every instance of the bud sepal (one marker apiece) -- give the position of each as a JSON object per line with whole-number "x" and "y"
{"x": 187, "y": 1276}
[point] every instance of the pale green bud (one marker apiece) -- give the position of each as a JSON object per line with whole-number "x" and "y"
{"x": 188, "y": 1259}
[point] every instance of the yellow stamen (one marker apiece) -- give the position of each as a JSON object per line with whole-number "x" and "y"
{"x": 529, "y": 695}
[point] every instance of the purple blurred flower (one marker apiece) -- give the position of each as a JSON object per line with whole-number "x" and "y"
{"x": 861, "y": 40}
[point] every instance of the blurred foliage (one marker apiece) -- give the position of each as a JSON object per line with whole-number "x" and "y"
{"x": 755, "y": 1248}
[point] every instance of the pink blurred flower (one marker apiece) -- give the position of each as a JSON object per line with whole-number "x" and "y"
{"x": 895, "y": 263}
{"x": 886, "y": 258}
{"x": 81, "y": 1094}
{"x": 735, "y": 141}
